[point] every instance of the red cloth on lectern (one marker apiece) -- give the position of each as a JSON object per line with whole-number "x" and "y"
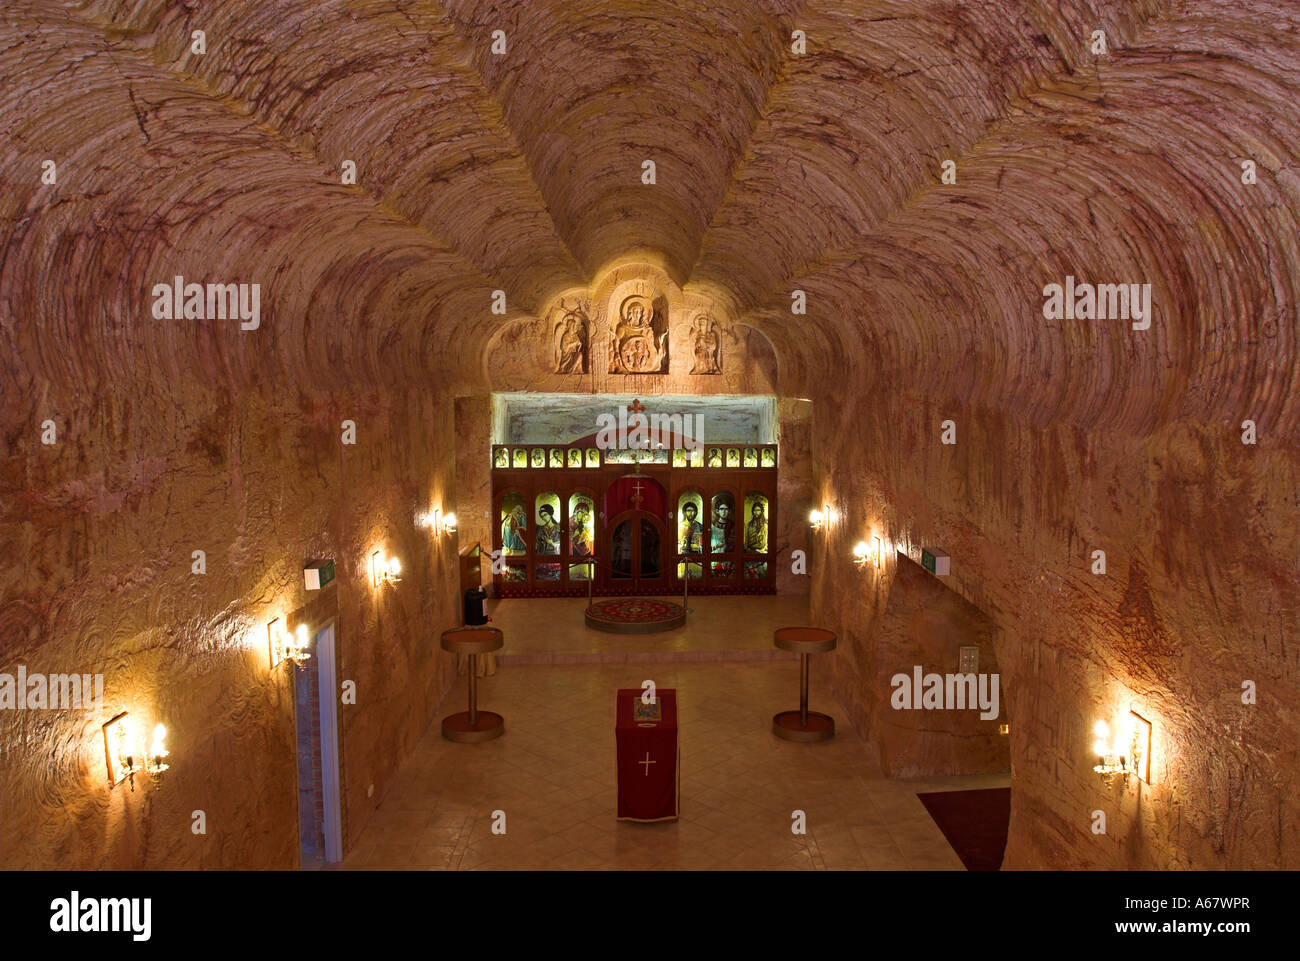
{"x": 647, "y": 791}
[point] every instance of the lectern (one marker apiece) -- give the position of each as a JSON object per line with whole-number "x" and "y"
{"x": 648, "y": 769}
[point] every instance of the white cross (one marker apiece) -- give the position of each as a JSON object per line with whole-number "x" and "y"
{"x": 647, "y": 762}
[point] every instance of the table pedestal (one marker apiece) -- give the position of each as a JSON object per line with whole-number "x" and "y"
{"x": 804, "y": 725}
{"x": 472, "y": 726}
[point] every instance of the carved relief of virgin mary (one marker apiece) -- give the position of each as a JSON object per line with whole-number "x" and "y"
{"x": 571, "y": 344}
{"x": 634, "y": 348}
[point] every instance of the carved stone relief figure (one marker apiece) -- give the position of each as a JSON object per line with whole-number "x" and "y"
{"x": 571, "y": 343}
{"x": 637, "y": 346}
{"x": 705, "y": 345}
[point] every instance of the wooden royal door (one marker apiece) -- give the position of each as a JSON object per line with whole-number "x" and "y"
{"x": 637, "y": 548}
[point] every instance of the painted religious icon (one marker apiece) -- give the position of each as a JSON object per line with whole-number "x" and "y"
{"x": 733, "y": 456}
{"x": 769, "y": 457}
{"x": 690, "y": 533}
{"x": 548, "y": 527}
{"x": 751, "y": 457}
{"x": 557, "y": 457}
{"x": 715, "y": 457}
{"x": 620, "y": 551}
{"x": 539, "y": 457}
{"x": 514, "y": 525}
{"x": 501, "y": 457}
{"x": 581, "y": 526}
{"x": 723, "y": 533}
{"x": 756, "y": 528}
{"x": 574, "y": 457}
{"x": 521, "y": 457}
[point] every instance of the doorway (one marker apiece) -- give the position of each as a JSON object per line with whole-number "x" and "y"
{"x": 636, "y": 551}
{"x": 320, "y": 821}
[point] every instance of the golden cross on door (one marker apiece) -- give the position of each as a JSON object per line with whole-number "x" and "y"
{"x": 635, "y": 408}
{"x": 638, "y": 497}
{"x": 647, "y": 762}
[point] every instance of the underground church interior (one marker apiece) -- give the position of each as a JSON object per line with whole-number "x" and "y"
{"x": 754, "y": 435}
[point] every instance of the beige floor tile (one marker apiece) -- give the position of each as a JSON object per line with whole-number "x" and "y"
{"x": 553, "y": 771}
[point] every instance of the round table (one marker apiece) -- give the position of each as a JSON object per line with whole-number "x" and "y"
{"x": 472, "y": 726}
{"x": 803, "y": 724}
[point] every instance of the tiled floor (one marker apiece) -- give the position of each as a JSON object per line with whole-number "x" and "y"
{"x": 555, "y": 624}
{"x": 552, "y": 773}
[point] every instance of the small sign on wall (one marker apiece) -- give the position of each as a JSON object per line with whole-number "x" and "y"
{"x": 317, "y": 574}
{"x": 936, "y": 562}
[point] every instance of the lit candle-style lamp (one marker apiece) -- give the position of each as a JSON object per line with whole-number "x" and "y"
{"x": 385, "y": 570}
{"x": 158, "y": 752}
{"x": 285, "y": 646}
{"x": 861, "y": 553}
{"x": 1128, "y": 754}
{"x": 817, "y": 520}
{"x": 124, "y": 751}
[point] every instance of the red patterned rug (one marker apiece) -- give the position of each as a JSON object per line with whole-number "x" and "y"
{"x": 635, "y": 615}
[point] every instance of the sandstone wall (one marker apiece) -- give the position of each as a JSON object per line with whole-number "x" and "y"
{"x": 100, "y": 529}
{"x": 1200, "y": 594}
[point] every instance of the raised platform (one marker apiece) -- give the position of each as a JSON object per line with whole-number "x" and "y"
{"x": 635, "y": 615}
{"x": 553, "y": 631}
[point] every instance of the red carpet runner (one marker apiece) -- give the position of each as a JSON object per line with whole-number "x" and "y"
{"x": 974, "y": 822}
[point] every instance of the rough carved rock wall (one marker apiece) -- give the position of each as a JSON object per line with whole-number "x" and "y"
{"x": 104, "y": 524}
{"x": 776, "y": 171}
{"x": 1200, "y": 594}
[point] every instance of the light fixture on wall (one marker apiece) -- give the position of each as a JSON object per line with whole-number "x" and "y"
{"x": 823, "y": 519}
{"x": 1128, "y": 753}
{"x": 285, "y": 646}
{"x": 384, "y": 570}
{"x": 864, "y": 552}
{"x": 124, "y": 753}
{"x": 443, "y": 523}
{"x": 158, "y": 753}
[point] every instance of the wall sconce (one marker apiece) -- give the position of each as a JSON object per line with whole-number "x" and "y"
{"x": 1128, "y": 754}
{"x": 124, "y": 753}
{"x": 443, "y": 523}
{"x": 385, "y": 570}
{"x": 285, "y": 646}
{"x": 817, "y": 520}
{"x": 864, "y": 552}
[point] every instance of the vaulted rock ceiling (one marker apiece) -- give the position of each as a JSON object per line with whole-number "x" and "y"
{"x": 775, "y": 171}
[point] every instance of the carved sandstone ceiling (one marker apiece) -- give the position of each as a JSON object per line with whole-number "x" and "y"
{"x": 775, "y": 171}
